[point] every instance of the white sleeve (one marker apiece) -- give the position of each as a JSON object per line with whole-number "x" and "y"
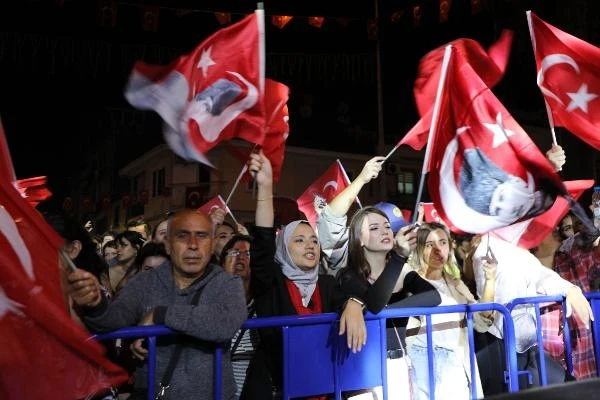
{"x": 333, "y": 237}
{"x": 547, "y": 282}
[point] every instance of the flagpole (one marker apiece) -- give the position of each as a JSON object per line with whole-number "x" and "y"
{"x": 548, "y": 110}
{"x": 237, "y": 182}
{"x": 380, "y": 127}
{"x": 348, "y": 180}
{"x": 433, "y": 126}
{"x": 260, "y": 14}
{"x": 228, "y": 210}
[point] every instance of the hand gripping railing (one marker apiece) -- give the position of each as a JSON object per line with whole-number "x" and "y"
{"x": 289, "y": 321}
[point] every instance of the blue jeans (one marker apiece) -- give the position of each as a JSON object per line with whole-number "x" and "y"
{"x": 450, "y": 379}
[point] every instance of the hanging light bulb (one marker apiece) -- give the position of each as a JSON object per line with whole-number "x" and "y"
{"x": 317, "y": 22}
{"x": 281, "y": 20}
{"x": 445, "y": 9}
{"x": 223, "y": 17}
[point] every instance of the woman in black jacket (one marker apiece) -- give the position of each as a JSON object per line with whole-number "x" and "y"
{"x": 285, "y": 281}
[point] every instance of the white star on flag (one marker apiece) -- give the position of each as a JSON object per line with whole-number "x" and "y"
{"x": 500, "y": 133}
{"x": 581, "y": 98}
{"x": 205, "y": 61}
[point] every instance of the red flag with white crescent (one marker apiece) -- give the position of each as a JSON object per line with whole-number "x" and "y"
{"x": 569, "y": 78}
{"x": 215, "y": 202}
{"x": 44, "y": 352}
{"x": 322, "y": 191}
{"x": 212, "y": 94}
{"x": 485, "y": 172}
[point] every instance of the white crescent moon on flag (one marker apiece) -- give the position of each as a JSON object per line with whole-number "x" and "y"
{"x": 211, "y": 126}
{"x": 9, "y": 229}
{"x": 546, "y": 64}
{"x": 464, "y": 218}
{"x": 333, "y": 184}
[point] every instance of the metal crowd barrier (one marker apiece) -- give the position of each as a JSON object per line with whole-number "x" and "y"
{"x": 288, "y": 324}
{"x": 535, "y": 302}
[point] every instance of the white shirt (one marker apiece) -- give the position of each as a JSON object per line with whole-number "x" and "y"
{"x": 519, "y": 274}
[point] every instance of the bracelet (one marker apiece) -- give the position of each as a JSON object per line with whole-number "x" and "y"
{"x": 362, "y": 303}
{"x": 264, "y": 199}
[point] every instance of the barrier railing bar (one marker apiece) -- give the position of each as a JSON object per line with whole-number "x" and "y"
{"x": 294, "y": 320}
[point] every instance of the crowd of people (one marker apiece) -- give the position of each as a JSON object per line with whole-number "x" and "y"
{"x": 203, "y": 277}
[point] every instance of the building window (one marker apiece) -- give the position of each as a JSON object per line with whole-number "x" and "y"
{"x": 138, "y": 184}
{"x": 158, "y": 182}
{"x": 405, "y": 182}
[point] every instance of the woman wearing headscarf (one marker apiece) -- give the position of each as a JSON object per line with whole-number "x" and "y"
{"x": 285, "y": 281}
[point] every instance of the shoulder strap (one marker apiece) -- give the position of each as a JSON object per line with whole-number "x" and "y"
{"x": 166, "y": 379}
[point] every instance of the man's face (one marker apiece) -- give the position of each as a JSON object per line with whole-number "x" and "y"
{"x": 237, "y": 260}
{"x": 222, "y": 235}
{"x": 189, "y": 243}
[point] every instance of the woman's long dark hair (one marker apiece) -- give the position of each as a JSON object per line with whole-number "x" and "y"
{"x": 357, "y": 261}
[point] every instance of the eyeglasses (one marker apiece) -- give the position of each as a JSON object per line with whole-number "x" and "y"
{"x": 236, "y": 253}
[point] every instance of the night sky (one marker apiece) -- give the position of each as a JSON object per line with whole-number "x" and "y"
{"x": 64, "y": 70}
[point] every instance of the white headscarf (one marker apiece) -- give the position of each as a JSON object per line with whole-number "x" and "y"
{"x": 306, "y": 281}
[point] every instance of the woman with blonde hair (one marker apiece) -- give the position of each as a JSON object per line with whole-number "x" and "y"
{"x": 435, "y": 262}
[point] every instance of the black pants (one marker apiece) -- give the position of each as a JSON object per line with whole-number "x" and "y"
{"x": 491, "y": 360}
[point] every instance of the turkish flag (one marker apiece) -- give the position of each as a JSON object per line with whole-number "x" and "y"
{"x": 530, "y": 233}
{"x": 322, "y": 191}
{"x": 35, "y": 190}
{"x": 568, "y": 74}
{"x": 210, "y": 95}
{"x": 430, "y": 214}
{"x": 277, "y": 129}
{"x": 215, "y": 202}
{"x": 484, "y": 172}
{"x": 45, "y": 354}
{"x": 490, "y": 66}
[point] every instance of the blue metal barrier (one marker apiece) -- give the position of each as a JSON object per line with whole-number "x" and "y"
{"x": 535, "y": 302}
{"x": 340, "y": 384}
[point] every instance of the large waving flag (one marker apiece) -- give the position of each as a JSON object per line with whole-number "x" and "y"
{"x": 490, "y": 66}
{"x": 322, "y": 191}
{"x": 568, "y": 74}
{"x": 44, "y": 354}
{"x": 277, "y": 129}
{"x": 530, "y": 233}
{"x": 484, "y": 172}
{"x": 210, "y": 95}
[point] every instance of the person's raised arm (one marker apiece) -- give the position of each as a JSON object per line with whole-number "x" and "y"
{"x": 340, "y": 205}
{"x": 262, "y": 264}
{"x": 260, "y": 167}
